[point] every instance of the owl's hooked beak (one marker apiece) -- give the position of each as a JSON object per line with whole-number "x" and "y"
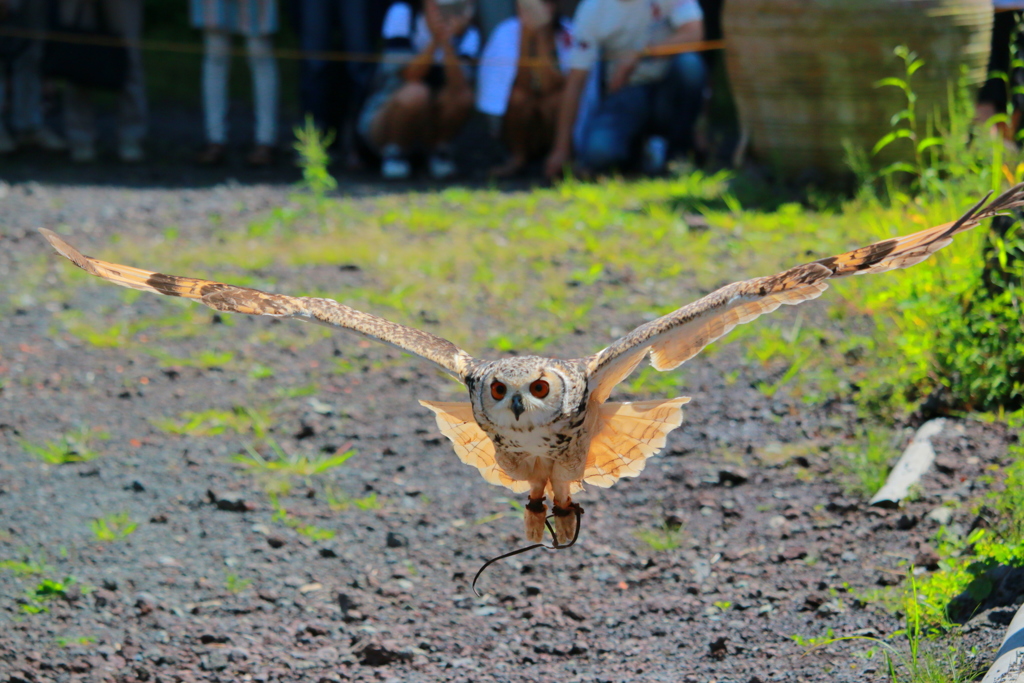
{"x": 517, "y": 405}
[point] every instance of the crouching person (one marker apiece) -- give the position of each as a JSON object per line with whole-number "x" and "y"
{"x": 647, "y": 98}
{"x": 423, "y": 94}
{"x": 521, "y": 79}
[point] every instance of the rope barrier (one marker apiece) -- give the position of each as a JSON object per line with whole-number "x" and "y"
{"x": 288, "y": 53}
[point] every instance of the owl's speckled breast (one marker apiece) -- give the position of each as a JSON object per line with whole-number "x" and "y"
{"x": 564, "y": 442}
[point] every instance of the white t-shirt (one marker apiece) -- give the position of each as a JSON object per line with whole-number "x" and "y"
{"x": 399, "y": 24}
{"x": 499, "y": 64}
{"x": 612, "y": 29}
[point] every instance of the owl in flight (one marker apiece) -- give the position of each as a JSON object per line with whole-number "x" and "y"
{"x": 544, "y": 425}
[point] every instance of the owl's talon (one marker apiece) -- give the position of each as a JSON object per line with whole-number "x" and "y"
{"x": 565, "y": 522}
{"x": 534, "y": 516}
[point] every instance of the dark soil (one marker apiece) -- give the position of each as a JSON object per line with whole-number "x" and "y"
{"x": 770, "y": 546}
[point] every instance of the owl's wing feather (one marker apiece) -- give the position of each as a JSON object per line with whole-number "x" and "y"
{"x": 682, "y": 334}
{"x": 472, "y": 445}
{"x": 627, "y": 434}
{"x": 234, "y": 299}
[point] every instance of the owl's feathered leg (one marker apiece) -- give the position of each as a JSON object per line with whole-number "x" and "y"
{"x": 536, "y": 511}
{"x": 535, "y": 514}
{"x": 564, "y": 510}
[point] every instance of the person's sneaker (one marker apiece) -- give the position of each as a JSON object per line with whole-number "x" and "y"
{"x": 441, "y": 165}
{"x": 130, "y": 151}
{"x": 44, "y": 139}
{"x": 7, "y": 144}
{"x": 394, "y": 165}
{"x": 213, "y": 154}
{"x": 83, "y": 152}
{"x": 655, "y": 159}
{"x": 261, "y": 155}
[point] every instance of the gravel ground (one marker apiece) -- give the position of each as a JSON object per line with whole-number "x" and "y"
{"x": 211, "y": 587}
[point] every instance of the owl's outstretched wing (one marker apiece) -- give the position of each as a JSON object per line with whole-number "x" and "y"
{"x": 680, "y": 335}
{"x": 230, "y": 298}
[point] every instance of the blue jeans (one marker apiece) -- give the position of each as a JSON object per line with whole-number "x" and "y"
{"x": 668, "y": 108}
{"x": 316, "y": 21}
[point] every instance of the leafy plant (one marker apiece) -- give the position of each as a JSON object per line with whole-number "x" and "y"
{"x": 113, "y": 527}
{"x": 908, "y": 655}
{"x": 46, "y": 590}
{"x": 973, "y": 347}
{"x": 979, "y": 341}
{"x": 311, "y": 145}
{"x": 904, "y": 122}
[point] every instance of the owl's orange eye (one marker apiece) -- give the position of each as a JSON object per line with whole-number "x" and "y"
{"x": 539, "y": 389}
{"x": 498, "y": 390}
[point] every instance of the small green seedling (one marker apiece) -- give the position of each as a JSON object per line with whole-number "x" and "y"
{"x": 235, "y": 584}
{"x": 71, "y": 447}
{"x": 339, "y": 501}
{"x": 667, "y": 537}
{"x": 73, "y": 641}
{"x": 310, "y": 531}
{"x": 311, "y": 146}
{"x": 113, "y": 527}
{"x": 290, "y": 465}
{"x": 26, "y": 567}
{"x": 47, "y": 590}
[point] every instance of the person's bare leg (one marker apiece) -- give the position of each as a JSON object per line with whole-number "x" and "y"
{"x": 517, "y": 128}
{"x": 404, "y": 120}
{"x": 517, "y": 132}
{"x": 453, "y": 107}
{"x": 547, "y": 116}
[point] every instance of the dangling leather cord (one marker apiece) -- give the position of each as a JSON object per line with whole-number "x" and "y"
{"x": 576, "y": 508}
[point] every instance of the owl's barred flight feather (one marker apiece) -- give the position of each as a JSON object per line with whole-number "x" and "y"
{"x": 472, "y": 445}
{"x": 675, "y": 338}
{"x": 628, "y": 434}
{"x": 234, "y": 299}
{"x": 544, "y": 425}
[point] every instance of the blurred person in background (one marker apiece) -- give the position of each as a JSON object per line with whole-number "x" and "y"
{"x": 646, "y": 97}
{"x": 521, "y": 78}
{"x": 23, "y": 56}
{"x": 490, "y": 13}
{"x": 123, "y": 19}
{"x": 994, "y": 96}
{"x": 257, "y": 21}
{"x": 423, "y": 92}
{"x": 334, "y": 93}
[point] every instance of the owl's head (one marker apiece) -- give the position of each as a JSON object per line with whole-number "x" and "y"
{"x": 521, "y": 393}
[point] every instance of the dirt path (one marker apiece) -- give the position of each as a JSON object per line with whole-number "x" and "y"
{"x": 211, "y": 587}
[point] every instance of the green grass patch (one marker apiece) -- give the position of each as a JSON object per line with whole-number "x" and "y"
{"x": 25, "y": 567}
{"x": 661, "y": 539}
{"x": 36, "y": 599}
{"x": 241, "y": 420}
{"x": 235, "y": 584}
{"x": 74, "y": 446}
{"x": 113, "y": 527}
{"x": 863, "y": 466}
